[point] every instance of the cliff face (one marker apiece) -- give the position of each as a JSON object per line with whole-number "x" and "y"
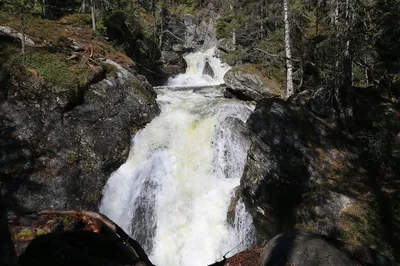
{"x": 57, "y": 152}
{"x": 67, "y": 114}
{"x": 305, "y": 172}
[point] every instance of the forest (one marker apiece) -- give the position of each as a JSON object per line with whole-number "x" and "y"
{"x": 302, "y": 44}
{"x": 297, "y": 101}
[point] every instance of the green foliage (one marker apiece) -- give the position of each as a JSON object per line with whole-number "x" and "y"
{"x": 24, "y": 234}
{"x": 224, "y": 29}
{"x": 77, "y": 20}
{"x": 55, "y": 70}
{"x": 101, "y": 26}
{"x": 379, "y": 144}
{"x": 111, "y": 70}
{"x": 236, "y": 57}
{"x": 184, "y": 9}
{"x": 19, "y": 6}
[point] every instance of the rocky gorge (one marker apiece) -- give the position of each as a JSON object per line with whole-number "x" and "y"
{"x": 59, "y": 146}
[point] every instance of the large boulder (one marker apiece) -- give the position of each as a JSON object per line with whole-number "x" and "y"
{"x": 208, "y": 70}
{"x": 173, "y": 63}
{"x": 276, "y": 172}
{"x": 247, "y": 83}
{"x": 58, "y": 146}
{"x": 73, "y": 238}
{"x": 298, "y": 247}
{"x": 290, "y": 165}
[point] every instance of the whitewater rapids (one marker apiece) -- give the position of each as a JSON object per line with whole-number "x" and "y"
{"x": 173, "y": 193}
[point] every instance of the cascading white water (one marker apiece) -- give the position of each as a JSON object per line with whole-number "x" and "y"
{"x": 173, "y": 192}
{"x": 194, "y": 73}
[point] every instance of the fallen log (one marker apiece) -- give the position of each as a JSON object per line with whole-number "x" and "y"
{"x": 7, "y": 31}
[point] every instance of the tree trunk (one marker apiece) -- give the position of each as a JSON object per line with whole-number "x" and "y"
{"x": 153, "y": 7}
{"x": 82, "y": 9}
{"x": 344, "y": 70}
{"x": 23, "y": 39}
{"x": 92, "y": 4}
{"x": 288, "y": 50}
{"x": 161, "y": 32}
{"x": 233, "y": 31}
{"x": 44, "y": 8}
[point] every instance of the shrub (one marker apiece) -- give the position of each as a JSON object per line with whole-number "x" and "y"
{"x": 77, "y": 20}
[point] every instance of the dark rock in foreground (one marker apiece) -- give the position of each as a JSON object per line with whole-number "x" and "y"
{"x": 304, "y": 171}
{"x": 73, "y": 238}
{"x": 290, "y": 156}
{"x": 298, "y": 248}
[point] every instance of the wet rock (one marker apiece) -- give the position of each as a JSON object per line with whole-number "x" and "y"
{"x": 208, "y": 70}
{"x": 230, "y": 217}
{"x": 173, "y": 63}
{"x": 231, "y": 158}
{"x": 247, "y": 83}
{"x": 59, "y": 145}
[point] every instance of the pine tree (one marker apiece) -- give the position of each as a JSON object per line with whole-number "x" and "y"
{"x": 21, "y": 7}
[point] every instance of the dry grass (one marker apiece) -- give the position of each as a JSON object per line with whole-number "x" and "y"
{"x": 49, "y": 59}
{"x": 246, "y": 258}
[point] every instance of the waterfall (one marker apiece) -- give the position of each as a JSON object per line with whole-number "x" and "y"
{"x": 173, "y": 193}
{"x": 194, "y": 73}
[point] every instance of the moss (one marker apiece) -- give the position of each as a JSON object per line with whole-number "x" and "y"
{"x": 184, "y": 9}
{"x": 362, "y": 225}
{"x": 57, "y": 72}
{"x": 24, "y": 234}
{"x": 305, "y": 227}
{"x": 43, "y": 31}
{"x": 140, "y": 89}
{"x": 5, "y": 18}
{"x": 358, "y": 225}
{"x": 111, "y": 70}
{"x": 50, "y": 67}
{"x": 73, "y": 157}
{"x": 40, "y": 232}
